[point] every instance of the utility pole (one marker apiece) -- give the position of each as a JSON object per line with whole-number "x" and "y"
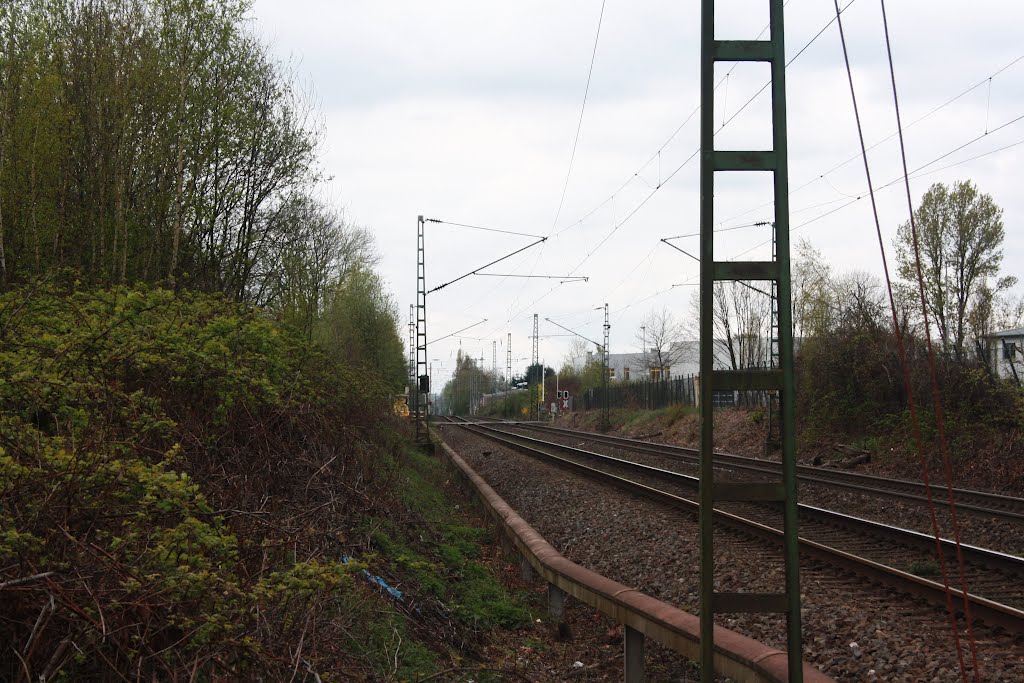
{"x": 422, "y": 376}
{"x": 480, "y": 383}
{"x": 772, "y": 435}
{"x": 412, "y": 353}
{"x": 647, "y": 369}
{"x": 494, "y": 367}
{"x": 534, "y": 359}
{"x": 508, "y": 375}
{"x": 781, "y": 379}
{"x": 459, "y": 390}
{"x": 607, "y": 334}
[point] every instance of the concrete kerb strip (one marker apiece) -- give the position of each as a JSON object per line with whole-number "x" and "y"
{"x": 738, "y": 657}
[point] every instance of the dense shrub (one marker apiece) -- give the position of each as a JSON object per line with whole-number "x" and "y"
{"x": 851, "y": 384}
{"x": 177, "y": 478}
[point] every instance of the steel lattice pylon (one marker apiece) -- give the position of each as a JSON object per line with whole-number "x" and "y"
{"x": 412, "y": 351}
{"x": 772, "y": 433}
{"x": 508, "y": 373}
{"x": 606, "y": 420}
{"x": 534, "y": 359}
{"x": 422, "y": 404}
{"x": 778, "y": 379}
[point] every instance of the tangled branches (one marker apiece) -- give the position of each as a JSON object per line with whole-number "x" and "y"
{"x": 178, "y": 475}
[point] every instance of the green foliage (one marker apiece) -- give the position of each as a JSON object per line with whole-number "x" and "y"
{"x": 448, "y": 568}
{"x": 850, "y": 383}
{"x": 359, "y": 326}
{"x": 468, "y": 383}
{"x": 515, "y": 406}
{"x": 392, "y": 653}
{"x": 578, "y": 382}
{"x": 960, "y": 240}
{"x": 677, "y": 411}
{"x": 147, "y": 139}
{"x": 201, "y": 168}
{"x": 178, "y": 469}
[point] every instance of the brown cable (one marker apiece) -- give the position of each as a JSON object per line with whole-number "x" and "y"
{"x": 943, "y": 445}
{"x": 905, "y": 367}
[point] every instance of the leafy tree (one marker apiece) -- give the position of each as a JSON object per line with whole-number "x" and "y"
{"x": 960, "y": 238}
{"x": 158, "y": 140}
{"x": 147, "y": 139}
{"x": 468, "y": 382}
{"x": 360, "y": 326}
{"x": 812, "y": 298}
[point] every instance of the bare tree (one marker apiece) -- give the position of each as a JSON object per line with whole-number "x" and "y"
{"x": 575, "y": 356}
{"x": 860, "y": 301}
{"x": 660, "y": 336}
{"x": 741, "y": 318}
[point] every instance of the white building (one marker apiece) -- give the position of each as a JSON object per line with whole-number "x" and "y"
{"x": 1006, "y": 353}
{"x": 626, "y": 367}
{"x": 633, "y": 366}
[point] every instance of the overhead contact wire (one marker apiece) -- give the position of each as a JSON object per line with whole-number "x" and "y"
{"x": 647, "y": 198}
{"x": 579, "y": 125}
{"x": 892, "y": 135}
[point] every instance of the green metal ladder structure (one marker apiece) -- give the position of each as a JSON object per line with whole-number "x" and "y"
{"x": 779, "y": 378}
{"x": 421, "y": 403}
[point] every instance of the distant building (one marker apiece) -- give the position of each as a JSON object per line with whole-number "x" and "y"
{"x": 636, "y": 366}
{"x": 1006, "y": 353}
{"x": 630, "y": 367}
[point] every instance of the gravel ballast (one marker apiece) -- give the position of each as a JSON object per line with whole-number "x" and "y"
{"x": 852, "y": 630}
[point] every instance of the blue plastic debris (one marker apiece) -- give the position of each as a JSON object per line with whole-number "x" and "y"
{"x": 373, "y": 578}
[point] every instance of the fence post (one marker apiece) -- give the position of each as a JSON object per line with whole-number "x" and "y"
{"x": 525, "y": 569}
{"x": 633, "y": 653}
{"x": 556, "y": 602}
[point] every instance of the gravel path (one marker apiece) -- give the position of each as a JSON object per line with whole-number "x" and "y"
{"x": 853, "y": 631}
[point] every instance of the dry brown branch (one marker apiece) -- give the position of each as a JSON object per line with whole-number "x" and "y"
{"x": 26, "y": 579}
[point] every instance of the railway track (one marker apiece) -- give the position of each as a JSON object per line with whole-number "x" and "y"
{"x": 982, "y": 503}
{"x": 876, "y": 551}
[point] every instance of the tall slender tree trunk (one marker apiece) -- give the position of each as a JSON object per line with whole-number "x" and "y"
{"x": 3, "y": 251}
{"x": 178, "y": 212}
{"x": 32, "y": 198}
{"x": 123, "y": 224}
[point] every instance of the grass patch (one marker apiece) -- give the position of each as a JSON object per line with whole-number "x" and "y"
{"x": 641, "y": 421}
{"x": 441, "y": 559}
{"x": 388, "y": 647}
{"x": 676, "y": 412}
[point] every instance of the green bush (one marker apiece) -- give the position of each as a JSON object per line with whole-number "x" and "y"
{"x": 178, "y": 474}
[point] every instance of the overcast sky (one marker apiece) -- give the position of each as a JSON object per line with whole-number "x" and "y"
{"x": 467, "y": 111}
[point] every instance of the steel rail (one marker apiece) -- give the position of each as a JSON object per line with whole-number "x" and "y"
{"x": 907, "y": 537}
{"x": 987, "y": 610}
{"x": 736, "y": 656}
{"x": 993, "y": 505}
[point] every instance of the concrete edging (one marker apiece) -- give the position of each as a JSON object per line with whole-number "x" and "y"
{"x": 736, "y": 656}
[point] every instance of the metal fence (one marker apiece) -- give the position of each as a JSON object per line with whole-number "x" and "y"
{"x": 651, "y": 395}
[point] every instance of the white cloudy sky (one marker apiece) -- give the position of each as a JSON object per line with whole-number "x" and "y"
{"x": 466, "y": 112}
